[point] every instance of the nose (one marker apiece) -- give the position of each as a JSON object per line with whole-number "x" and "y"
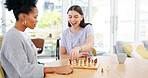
{"x": 72, "y": 19}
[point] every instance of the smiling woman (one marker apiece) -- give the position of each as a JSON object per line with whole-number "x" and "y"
{"x": 78, "y": 39}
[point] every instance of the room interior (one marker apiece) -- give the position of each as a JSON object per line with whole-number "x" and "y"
{"x": 116, "y": 23}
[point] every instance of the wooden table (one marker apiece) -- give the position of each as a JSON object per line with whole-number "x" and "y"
{"x": 132, "y": 68}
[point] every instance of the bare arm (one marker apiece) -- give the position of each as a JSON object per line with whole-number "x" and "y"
{"x": 63, "y": 53}
{"x": 83, "y": 48}
{"x": 59, "y": 70}
{"x": 88, "y": 45}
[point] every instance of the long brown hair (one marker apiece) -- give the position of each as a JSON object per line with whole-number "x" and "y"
{"x": 79, "y": 10}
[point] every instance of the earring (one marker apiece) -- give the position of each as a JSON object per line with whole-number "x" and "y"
{"x": 24, "y": 23}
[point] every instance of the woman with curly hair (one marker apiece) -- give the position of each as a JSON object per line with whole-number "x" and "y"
{"x": 18, "y": 54}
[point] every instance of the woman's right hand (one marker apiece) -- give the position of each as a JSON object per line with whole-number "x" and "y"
{"x": 81, "y": 54}
{"x": 64, "y": 70}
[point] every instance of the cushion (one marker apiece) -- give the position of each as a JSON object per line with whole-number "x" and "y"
{"x": 118, "y": 47}
{"x": 136, "y": 50}
{"x": 145, "y": 44}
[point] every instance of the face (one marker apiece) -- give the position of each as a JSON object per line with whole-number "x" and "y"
{"x": 31, "y": 19}
{"x": 74, "y": 18}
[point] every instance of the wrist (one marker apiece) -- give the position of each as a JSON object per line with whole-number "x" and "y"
{"x": 80, "y": 49}
{"x": 50, "y": 69}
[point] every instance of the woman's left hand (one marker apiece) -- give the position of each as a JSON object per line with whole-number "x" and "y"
{"x": 74, "y": 53}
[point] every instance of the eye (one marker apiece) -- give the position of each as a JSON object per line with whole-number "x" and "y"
{"x": 35, "y": 17}
{"x": 76, "y": 16}
{"x": 69, "y": 17}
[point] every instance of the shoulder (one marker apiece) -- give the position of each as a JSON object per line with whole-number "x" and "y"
{"x": 13, "y": 34}
{"x": 88, "y": 27}
{"x": 66, "y": 31}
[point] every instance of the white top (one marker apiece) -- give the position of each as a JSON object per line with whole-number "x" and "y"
{"x": 71, "y": 40}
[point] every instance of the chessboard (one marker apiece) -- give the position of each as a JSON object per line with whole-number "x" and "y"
{"x": 85, "y": 63}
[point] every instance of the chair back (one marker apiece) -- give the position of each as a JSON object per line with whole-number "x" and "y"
{"x": 39, "y": 43}
{"x": 1, "y": 72}
{"x": 94, "y": 52}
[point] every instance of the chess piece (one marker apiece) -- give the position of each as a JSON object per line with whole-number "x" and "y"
{"x": 95, "y": 62}
{"x": 77, "y": 62}
{"x": 101, "y": 70}
{"x": 84, "y": 62}
{"x": 89, "y": 62}
{"x": 81, "y": 62}
{"x": 86, "y": 58}
{"x": 107, "y": 68}
{"x": 70, "y": 62}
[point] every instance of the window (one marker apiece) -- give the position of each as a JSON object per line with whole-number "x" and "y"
{"x": 143, "y": 23}
{"x": 84, "y": 5}
{"x": 49, "y": 25}
{"x": 0, "y": 8}
{"x": 126, "y": 18}
{"x": 0, "y": 17}
{"x": 101, "y": 25}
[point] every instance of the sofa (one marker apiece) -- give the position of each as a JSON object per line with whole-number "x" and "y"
{"x": 119, "y": 49}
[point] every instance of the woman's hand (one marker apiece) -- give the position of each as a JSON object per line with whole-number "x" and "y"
{"x": 81, "y": 54}
{"x": 74, "y": 53}
{"x": 64, "y": 70}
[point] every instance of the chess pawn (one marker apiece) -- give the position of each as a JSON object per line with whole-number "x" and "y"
{"x": 76, "y": 62}
{"x": 86, "y": 58}
{"x": 107, "y": 68}
{"x": 102, "y": 70}
{"x": 84, "y": 62}
{"x": 73, "y": 62}
{"x": 88, "y": 62}
{"x": 92, "y": 61}
{"x": 70, "y": 62}
{"x": 95, "y": 62}
{"x": 81, "y": 62}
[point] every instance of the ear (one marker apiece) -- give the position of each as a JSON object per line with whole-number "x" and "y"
{"x": 22, "y": 16}
{"x": 82, "y": 17}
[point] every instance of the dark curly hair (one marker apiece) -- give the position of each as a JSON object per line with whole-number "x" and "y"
{"x": 20, "y": 6}
{"x": 79, "y": 10}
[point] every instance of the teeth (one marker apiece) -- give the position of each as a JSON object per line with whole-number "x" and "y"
{"x": 73, "y": 23}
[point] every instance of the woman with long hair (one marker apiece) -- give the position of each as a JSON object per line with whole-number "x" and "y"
{"x": 78, "y": 39}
